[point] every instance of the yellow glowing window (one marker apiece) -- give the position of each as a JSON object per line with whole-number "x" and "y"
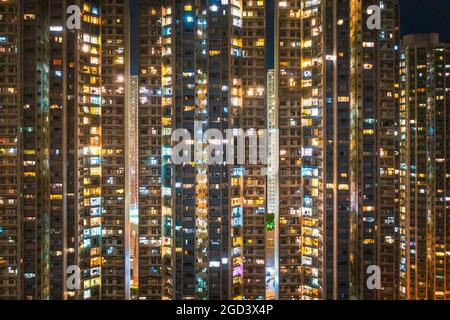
{"x": 343, "y": 187}
{"x": 235, "y": 182}
{"x": 260, "y": 42}
{"x": 96, "y": 262}
{"x": 95, "y": 110}
{"x": 119, "y": 60}
{"x": 294, "y": 13}
{"x": 96, "y": 171}
{"x": 214, "y": 52}
{"x": 29, "y": 174}
{"x": 305, "y": 83}
{"x": 188, "y": 7}
{"x": 236, "y": 42}
{"x": 306, "y": 63}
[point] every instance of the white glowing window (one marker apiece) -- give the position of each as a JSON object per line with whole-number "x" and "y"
{"x": 56, "y": 28}
{"x": 214, "y": 264}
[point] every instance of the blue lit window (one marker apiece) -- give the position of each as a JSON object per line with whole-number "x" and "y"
{"x": 96, "y": 231}
{"x": 87, "y": 243}
{"x": 95, "y": 160}
{"x": 143, "y": 191}
{"x": 236, "y": 52}
{"x": 167, "y": 31}
{"x": 95, "y": 212}
{"x": 96, "y": 100}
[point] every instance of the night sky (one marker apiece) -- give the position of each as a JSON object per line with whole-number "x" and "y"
{"x": 417, "y": 16}
{"x": 426, "y": 16}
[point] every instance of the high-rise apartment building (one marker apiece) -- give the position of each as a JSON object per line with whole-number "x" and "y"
{"x": 272, "y": 217}
{"x": 62, "y": 243}
{"x": 288, "y": 99}
{"x": 24, "y": 211}
{"x": 10, "y": 235}
{"x": 115, "y": 134}
{"x": 336, "y": 92}
{"x": 214, "y": 77}
{"x": 424, "y": 168}
{"x": 254, "y": 77}
{"x": 373, "y": 125}
{"x": 150, "y": 130}
{"x": 69, "y": 91}
{"x": 33, "y": 139}
{"x": 202, "y": 87}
